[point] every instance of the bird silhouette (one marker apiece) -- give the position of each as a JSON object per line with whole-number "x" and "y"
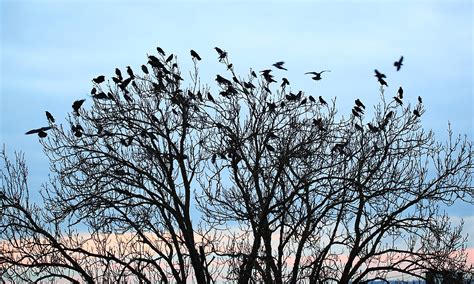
{"x": 420, "y": 100}
{"x": 99, "y": 79}
{"x": 209, "y": 97}
{"x": 50, "y": 117}
{"x": 398, "y": 64}
{"x": 145, "y": 69}
{"x": 358, "y": 109}
{"x": 222, "y": 80}
{"x": 322, "y": 101}
{"x": 317, "y": 75}
{"x": 359, "y": 104}
{"x": 285, "y": 82}
{"x": 222, "y": 53}
{"x": 303, "y": 101}
{"x": 398, "y": 100}
{"x": 416, "y": 113}
{"x": 248, "y": 85}
{"x": 379, "y": 75}
{"x": 195, "y": 55}
{"x": 77, "y": 105}
{"x": 382, "y": 82}
{"x": 355, "y": 113}
{"x": 254, "y": 74}
{"x": 169, "y": 58}
{"x": 118, "y": 73}
{"x": 93, "y": 91}
{"x": 400, "y": 93}
{"x": 130, "y": 72}
{"x": 40, "y": 131}
{"x": 116, "y": 80}
{"x": 279, "y": 65}
{"x": 160, "y": 50}
{"x": 153, "y": 58}
{"x": 311, "y": 99}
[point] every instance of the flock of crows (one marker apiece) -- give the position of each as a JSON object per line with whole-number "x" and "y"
{"x": 154, "y": 62}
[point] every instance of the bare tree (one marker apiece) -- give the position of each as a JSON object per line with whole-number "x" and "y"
{"x": 252, "y": 182}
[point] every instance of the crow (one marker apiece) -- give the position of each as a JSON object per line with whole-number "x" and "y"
{"x": 77, "y": 105}
{"x": 169, "y": 58}
{"x": 248, "y": 85}
{"x": 118, "y": 73}
{"x": 93, "y": 91}
{"x": 398, "y": 64}
{"x": 222, "y": 80}
{"x": 50, "y": 117}
{"x": 279, "y": 65}
{"x": 311, "y": 99}
{"x": 130, "y": 72}
{"x": 398, "y": 100}
{"x": 379, "y": 75}
{"x": 400, "y": 93}
{"x": 359, "y": 104}
{"x": 416, "y": 113}
{"x": 359, "y": 109}
{"x": 153, "y": 58}
{"x": 382, "y": 82}
{"x": 420, "y": 100}
{"x": 355, "y": 113}
{"x": 144, "y": 69}
{"x": 160, "y": 50}
{"x": 322, "y": 101}
{"x": 254, "y": 74}
{"x": 41, "y": 131}
{"x": 209, "y": 96}
{"x": 285, "y": 82}
{"x": 99, "y": 79}
{"x": 317, "y": 76}
{"x": 195, "y": 55}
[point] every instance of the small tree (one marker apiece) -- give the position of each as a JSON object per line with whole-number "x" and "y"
{"x": 248, "y": 183}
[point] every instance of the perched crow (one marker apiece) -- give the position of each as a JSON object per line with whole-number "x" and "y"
{"x": 144, "y": 69}
{"x": 153, "y": 58}
{"x": 41, "y": 131}
{"x": 209, "y": 97}
{"x": 398, "y": 100}
{"x": 382, "y": 82}
{"x": 416, "y": 113}
{"x": 322, "y": 101}
{"x": 195, "y": 55}
{"x": 222, "y": 80}
{"x": 359, "y": 104}
{"x": 317, "y": 75}
{"x": 379, "y": 75}
{"x": 50, "y": 117}
{"x": 359, "y": 109}
{"x": 400, "y": 93}
{"x": 77, "y": 105}
{"x": 279, "y": 65}
{"x": 254, "y": 74}
{"x": 355, "y": 113}
{"x": 248, "y": 85}
{"x": 118, "y": 73}
{"x": 130, "y": 72}
{"x": 303, "y": 101}
{"x": 160, "y": 50}
{"x": 398, "y": 64}
{"x": 99, "y": 79}
{"x": 285, "y": 82}
{"x": 420, "y": 100}
{"x": 169, "y": 58}
{"x": 93, "y": 91}
{"x": 311, "y": 99}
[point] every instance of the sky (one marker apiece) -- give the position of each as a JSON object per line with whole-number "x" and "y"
{"x": 50, "y": 51}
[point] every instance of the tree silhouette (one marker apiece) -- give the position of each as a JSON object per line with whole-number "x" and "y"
{"x": 249, "y": 183}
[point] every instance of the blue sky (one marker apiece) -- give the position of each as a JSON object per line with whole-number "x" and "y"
{"x": 50, "y": 51}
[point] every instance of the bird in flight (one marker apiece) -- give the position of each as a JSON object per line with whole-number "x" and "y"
{"x": 41, "y": 131}
{"x": 50, "y": 117}
{"x": 99, "y": 79}
{"x": 317, "y": 75}
{"x": 279, "y": 65}
{"x": 195, "y": 55}
{"x": 77, "y": 105}
{"x": 398, "y": 64}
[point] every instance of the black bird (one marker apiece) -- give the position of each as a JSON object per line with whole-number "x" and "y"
{"x": 93, "y": 91}
{"x": 130, "y": 72}
{"x": 222, "y": 53}
{"x": 379, "y": 75}
{"x": 279, "y": 65}
{"x": 50, "y": 117}
{"x": 144, "y": 69}
{"x": 77, "y": 105}
{"x": 169, "y": 58}
{"x": 160, "y": 50}
{"x": 420, "y": 100}
{"x": 254, "y": 74}
{"x": 317, "y": 75}
{"x": 209, "y": 97}
{"x": 389, "y": 114}
{"x": 116, "y": 80}
{"x": 398, "y": 63}
{"x": 358, "y": 127}
{"x": 248, "y": 85}
{"x": 41, "y": 131}
{"x": 77, "y": 130}
{"x": 303, "y": 101}
{"x": 398, "y": 100}
{"x": 355, "y": 113}
{"x": 100, "y": 96}
{"x": 416, "y": 113}
{"x": 195, "y": 55}
{"x": 359, "y": 109}
{"x": 359, "y": 104}
{"x": 400, "y": 93}
{"x": 382, "y": 82}
{"x": 372, "y": 128}
{"x": 222, "y": 80}
{"x": 285, "y": 82}
{"x": 311, "y": 99}
{"x": 153, "y": 58}
{"x": 322, "y": 101}
{"x": 118, "y": 73}
{"x": 99, "y": 79}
